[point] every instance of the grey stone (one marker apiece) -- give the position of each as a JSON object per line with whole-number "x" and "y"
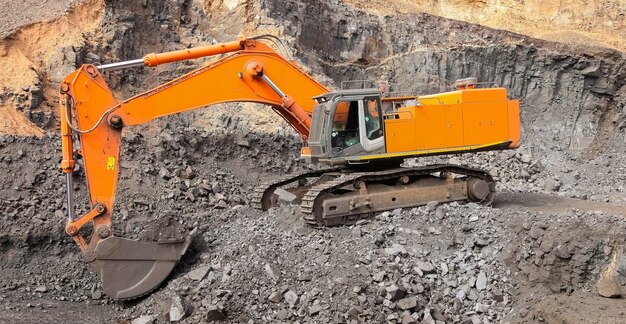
{"x": 438, "y": 314}
{"x": 431, "y": 205}
{"x": 284, "y": 195}
{"x": 461, "y": 295}
{"x": 41, "y": 289}
{"x": 433, "y": 230}
{"x": 396, "y": 249}
{"x": 395, "y": 292}
{"x": 305, "y": 275}
{"x": 30, "y": 211}
{"x": 92, "y": 57}
{"x": 563, "y": 252}
{"x": 214, "y": 313}
{"x": 498, "y": 296}
{"x": 389, "y": 304}
{"x": 353, "y": 313}
{"x": 428, "y": 318}
{"x": 96, "y": 294}
{"x": 407, "y": 303}
{"x": 454, "y": 160}
{"x": 282, "y": 315}
{"x": 272, "y": 271}
{"x": 393, "y": 317}
{"x": 144, "y": 319}
{"x": 473, "y": 295}
{"x": 480, "y": 308}
{"x": 315, "y": 309}
{"x": 472, "y": 205}
{"x": 198, "y": 273}
{"x": 165, "y": 174}
{"x": 357, "y": 232}
{"x": 221, "y": 204}
{"x": 552, "y": 185}
{"x": 592, "y": 71}
{"x": 408, "y": 319}
{"x": 188, "y": 173}
{"x": 243, "y": 142}
{"x": 275, "y": 297}
{"x": 608, "y": 287}
{"x": 36, "y": 97}
{"x": 480, "y": 242}
{"x": 426, "y": 267}
{"x": 444, "y": 268}
{"x": 291, "y": 298}
{"x": 481, "y": 281}
{"x": 178, "y": 309}
{"x": 379, "y": 276}
{"x": 536, "y": 167}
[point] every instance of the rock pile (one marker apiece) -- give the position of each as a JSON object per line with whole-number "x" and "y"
{"x": 448, "y": 262}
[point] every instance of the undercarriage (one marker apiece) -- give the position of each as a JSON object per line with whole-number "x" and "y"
{"x": 334, "y": 197}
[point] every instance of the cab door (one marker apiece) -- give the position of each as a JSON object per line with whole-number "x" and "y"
{"x": 371, "y": 124}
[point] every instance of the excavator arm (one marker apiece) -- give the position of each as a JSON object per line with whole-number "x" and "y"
{"x": 250, "y": 72}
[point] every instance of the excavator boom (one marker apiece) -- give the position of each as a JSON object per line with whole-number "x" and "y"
{"x": 88, "y": 109}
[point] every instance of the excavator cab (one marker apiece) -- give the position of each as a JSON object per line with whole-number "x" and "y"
{"x": 346, "y": 123}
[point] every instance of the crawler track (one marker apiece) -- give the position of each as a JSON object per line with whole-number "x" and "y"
{"x": 340, "y": 197}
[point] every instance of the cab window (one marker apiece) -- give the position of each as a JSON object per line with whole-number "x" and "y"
{"x": 345, "y": 131}
{"x": 373, "y": 119}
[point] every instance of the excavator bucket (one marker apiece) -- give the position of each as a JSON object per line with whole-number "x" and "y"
{"x": 129, "y": 269}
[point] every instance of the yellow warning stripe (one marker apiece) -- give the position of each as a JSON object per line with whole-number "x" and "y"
{"x": 426, "y": 152}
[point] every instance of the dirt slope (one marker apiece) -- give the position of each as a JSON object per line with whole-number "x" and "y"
{"x": 32, "y": 37}
{"x": 16, "y": 14}
{"x": 600, "y": 23}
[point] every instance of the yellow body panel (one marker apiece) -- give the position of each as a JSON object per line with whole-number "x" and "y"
{"x": 400, "y": 132}
{"x": 454, "y": 120}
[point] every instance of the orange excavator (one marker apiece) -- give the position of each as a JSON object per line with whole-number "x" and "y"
{"x": 362, "y": 134}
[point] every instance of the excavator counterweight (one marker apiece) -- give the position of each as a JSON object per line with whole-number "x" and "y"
{"x": 363, "y": 133}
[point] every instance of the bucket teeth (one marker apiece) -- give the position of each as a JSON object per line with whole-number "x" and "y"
{"x": 130, "y": 269}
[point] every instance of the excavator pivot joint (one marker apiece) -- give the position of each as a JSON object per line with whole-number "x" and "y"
{"x": 92, "y": 71}
{"x": 65, "y": 88}
{"x": 71, "y": 230}
{"x": 287, "y": 102}
{"x": 74, "y": 226}
{"x": 116, "y": 122}
{"x": 103, "y": 231}
{"x": 249, "y": 43}
{"x": 100, "y": 208}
